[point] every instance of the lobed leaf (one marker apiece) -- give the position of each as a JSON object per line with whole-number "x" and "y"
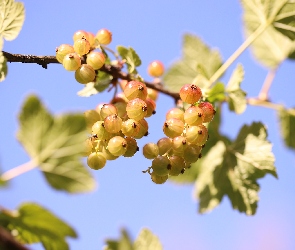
{"x": 131, "y": 57}
{"x": 197, "y": 58}
{"x": 216, "y": 93}
{"x": 31, "y": 223}
{"x": 237, "y": 97}
{"x": 56, "y": 145}
{"x": 11, "y": 19}
{"x": 233, "y": 170}
{"x": 287, "y": 124}
{"x": 124, "y": 243}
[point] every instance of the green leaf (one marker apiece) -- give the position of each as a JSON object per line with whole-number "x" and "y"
{"x": 233, "y": 170}
{"x": 237, "y": 97}
{"x": 271, "y": 47}
{"x": 217, "y": 93}
{"x": 102, "y": 82}
{"x": 131, "y": 57}
{"x": 3, "y": 67}
{"x": 11, "y": 19}
{"x": 285, "y": 20}
{"x": 56, "y": 145}
{"x": 32, "y": 223}
{"x": 124, "y": 243}
{"x": 197, "y": 58}
{"x": 146, "y": 240}
{"x": 287, "y": 122}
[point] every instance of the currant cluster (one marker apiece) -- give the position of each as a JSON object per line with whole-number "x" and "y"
{"x": 82, "y": 56}
{"x": 186, "y": 136}
{"x": 115, "y": 126}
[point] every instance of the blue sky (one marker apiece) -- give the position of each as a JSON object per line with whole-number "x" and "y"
{"x": 125, "y": 197}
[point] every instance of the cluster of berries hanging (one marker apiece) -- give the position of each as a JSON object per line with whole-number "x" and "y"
{"x": 82, "y": 56}
{"x": 186, "y": 136}
{"x": 116, "y": 126}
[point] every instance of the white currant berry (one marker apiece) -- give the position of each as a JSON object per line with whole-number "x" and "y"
{"x": 117, "y": 146}
{"x": 85, "y": 74}
{"x": 150, "y": 150}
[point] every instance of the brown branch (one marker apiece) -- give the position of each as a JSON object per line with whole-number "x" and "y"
{"x": 114, "y": 71}
{"x": 7, "y": 241}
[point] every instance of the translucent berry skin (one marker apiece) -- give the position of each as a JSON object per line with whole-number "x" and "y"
{"x": 175, "y": 113}
{"x": 62, "y": 51}
{"x": 153, "y": 94}
{"x": 79, "y": 34}
{"x": 104, "y": 37}
{"x": 143, "y": 129}
{"x": 173, "y": 127}
{"x": 132, "y": 147}
{"x": 136, "y": 109}
{"x": 197, "y": 135}
{"x": 164, "y": 145}
{"x": 150, "y": 150}
{"x": 88, "y": 147}
{"x": 190, "y": 93}
{"x": 156, "y": 68}
{"x": 130, "y": 127}
{"x": 208, "y": 111}
{"x": 106, "y": 153}
{"x": 108, "y": 109}
{"x": 71, "y": 62}
{"x": 85, "y": 74}
{"x": 81, "y": 46}
{"x": 113, "y": 123}
{"x": 194, "y": 116}
{"x": 91, "y": 117}
{"x": 91, "y": 39}
{"x": 151, "y": 107}
{"x": 191, "y": 153}
{"x": 179, "y": 144}
{"x": 121, "y": 107}
{"x": 177, "y": 165}
{"x": 100, "y": 132}
{"x": 95, "y": 59}
{"x": 135, "y": 89}
{"x": 117, "y": 146}
{"x": 160, "y": 165}
{"x": 159, "y": 179}
{"x": 96, "y": 160}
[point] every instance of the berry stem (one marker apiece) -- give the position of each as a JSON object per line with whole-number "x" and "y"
{"x": 263, "y": 95}
{"x": 21, "y": 169}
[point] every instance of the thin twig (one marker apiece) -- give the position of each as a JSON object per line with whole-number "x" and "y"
{"x": 263, "y": 94}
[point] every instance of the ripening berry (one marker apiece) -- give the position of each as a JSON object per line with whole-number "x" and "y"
{"x": 132, "y": 147}
{"x": 62, "y": 51}
{"x": 81, "y": 46}
{"x": 190, "y": 93}
{"x": 136, "y": 109}
{"x": 208, "y": 110}
{"x": 179, "y": 144}
{"x": 71, "y": 62}
{"x": 194, "y": 116}
{"x": 130, "y": 127}
{"x": 108, "y": 109}
{"x": 143, "y": 129}
{"x": 79, "y": 34}
{"x": 106, "y": 153}
{"x": 113, "y": 123}
{"x": 197, "y": 135}
{"x": 91, "y": 39}
{"x": 153, "y": 94}
{"x": 104, "y": 37}
{"x": 95, "y": 59}
{"x": 151, "y": 107}
{"x": 121, "y": 107}
{"x": 191, "y": 153}
{"x": 160, "y": 165}
{"x": 150, "y": 150}
{"x": 175, "y": 113}
{"x": 159, "y": 179}
{"x": 96, "y": 160}
{"x": 156, "y": 69}
{"x": 177, "y": 165}
{"x": 85, "y": 74}
{"x": 88, "y": 147}
{"x": 135, "y": 89}
{"x": 91, "y": 117}
{"x": 117, "y": 146}
{"x": 100, "y": 132}
{"x": 164, "y": 145}
{"x": 173, "y": 127}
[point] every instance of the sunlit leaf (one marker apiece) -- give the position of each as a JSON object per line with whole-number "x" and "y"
{"x": 56, "y": 145}
{"x": 131, "y": 57}
{"x": 146, "y": 240}
{"x": 32, "y": 223}
{"x": 217, "y": 93}
{"x": 124, "y": 243}
{"x": 237, "y": 97}
{"x": 11, "y": 19}
{"x": 233, "y": 170}
{"x": 197, "y": 58}
{"x": 287, "y": 122}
